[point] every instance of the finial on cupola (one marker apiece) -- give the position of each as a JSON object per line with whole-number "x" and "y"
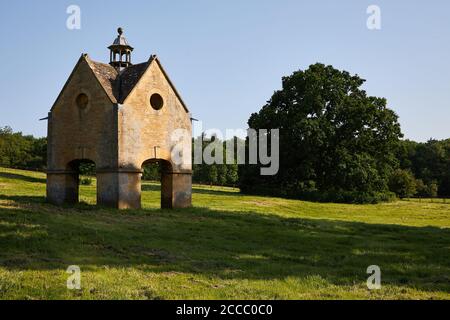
{"x": 120, "y": 52}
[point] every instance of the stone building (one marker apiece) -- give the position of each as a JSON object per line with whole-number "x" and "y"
{"x": 120, "y": 116}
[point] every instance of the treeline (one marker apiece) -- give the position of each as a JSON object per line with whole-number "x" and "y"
{"x": 225, "y": 174}
{"x": 22, "y": 151}
{"x": 424, "y": 169}
{"x": 420, "y": 169}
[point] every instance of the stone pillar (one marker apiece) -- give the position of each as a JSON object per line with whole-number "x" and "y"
{"x": 62, "y": 187}
{"x": 107, "y": 194}
{"x": 176, "y": 190}
{"x": 129, "y": 190}
{"x": 119, "y": 189}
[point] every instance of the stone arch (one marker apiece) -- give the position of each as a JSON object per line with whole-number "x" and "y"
{"x": 165, "y": 168}
{"x": 74, "y": 165}
{"x": 175, "y": 186}
{"x": 64, "y": 186}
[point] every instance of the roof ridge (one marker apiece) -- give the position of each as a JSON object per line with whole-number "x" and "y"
{"x": 104, "y": 77}
{"x": 118, "y": 85}
{"x": 130, "y": 77}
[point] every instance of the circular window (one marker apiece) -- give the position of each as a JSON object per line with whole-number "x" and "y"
{"x": 156, "y": 101}
{"x": 82, "y": 101}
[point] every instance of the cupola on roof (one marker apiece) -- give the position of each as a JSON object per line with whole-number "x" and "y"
{"x": 120, "y": 41}
{"x": 120, "y": 52}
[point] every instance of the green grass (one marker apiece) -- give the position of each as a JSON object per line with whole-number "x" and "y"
{"x": 228, "y": 246}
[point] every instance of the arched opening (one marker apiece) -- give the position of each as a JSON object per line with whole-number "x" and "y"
{"x": 156, "y": 185}
{"x": 84, "y": 175}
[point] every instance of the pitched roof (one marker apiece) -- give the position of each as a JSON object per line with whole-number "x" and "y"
{"x": 118, "y": 85}
{"x": 107, "y": 76}
{"x": 129, "y": 77}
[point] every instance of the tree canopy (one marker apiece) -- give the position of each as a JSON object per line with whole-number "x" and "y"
{"x": 19, "y": 151}
{"x": 334, "y": 139}
{"x": 429, "y": 162}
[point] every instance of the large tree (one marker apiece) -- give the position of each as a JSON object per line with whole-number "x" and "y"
{"x": 333, "y": 137}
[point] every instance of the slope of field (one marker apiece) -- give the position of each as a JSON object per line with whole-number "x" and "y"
{"x": 227, "y": 246}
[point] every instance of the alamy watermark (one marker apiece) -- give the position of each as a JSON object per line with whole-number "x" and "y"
{"x": 74, "y": 280}
{"x": 263, "y": 148}
{"x": 374, "y": 20}
{"x": 73, "y": 21}
{"x": 374, "y": 280}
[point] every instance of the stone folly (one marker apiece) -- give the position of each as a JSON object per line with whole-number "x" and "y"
{"x": 120, "y": 116}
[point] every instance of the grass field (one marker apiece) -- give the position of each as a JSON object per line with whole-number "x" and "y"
{"x": 227, "y": 246}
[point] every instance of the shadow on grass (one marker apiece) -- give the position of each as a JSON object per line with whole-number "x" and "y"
{"x": 150, "y": 187}
{"x": 229, "y": 245}
{"x": 195, "y": 189}
{"x": 22, "y": 177}
{"x": 24, "y": 199}
{"x": 205, "y": 190}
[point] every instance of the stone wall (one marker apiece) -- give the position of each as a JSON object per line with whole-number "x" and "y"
{"x": 141, "y": 128}
{"x": 83, "y": 134}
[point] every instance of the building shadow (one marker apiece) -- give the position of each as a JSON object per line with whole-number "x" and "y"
{"x": 229, "y": 245}
{"x": 195, "y": 189}
{"x": 211, "y": 191}
{"x": 150, "y": 187}
{"x": 22, "y": 177}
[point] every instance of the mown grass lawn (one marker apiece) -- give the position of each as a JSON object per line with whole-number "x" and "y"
{"x": 229, "y": 246}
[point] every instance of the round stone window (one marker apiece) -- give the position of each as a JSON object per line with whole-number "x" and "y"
{"x": 156, "y": 101}
{"x": 82, "y": 101}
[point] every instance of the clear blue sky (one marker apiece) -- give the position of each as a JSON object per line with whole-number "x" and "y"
{"x": 227, "y": 57}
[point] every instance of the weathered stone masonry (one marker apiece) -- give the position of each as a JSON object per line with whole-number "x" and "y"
{"x": 119, "y": 116}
